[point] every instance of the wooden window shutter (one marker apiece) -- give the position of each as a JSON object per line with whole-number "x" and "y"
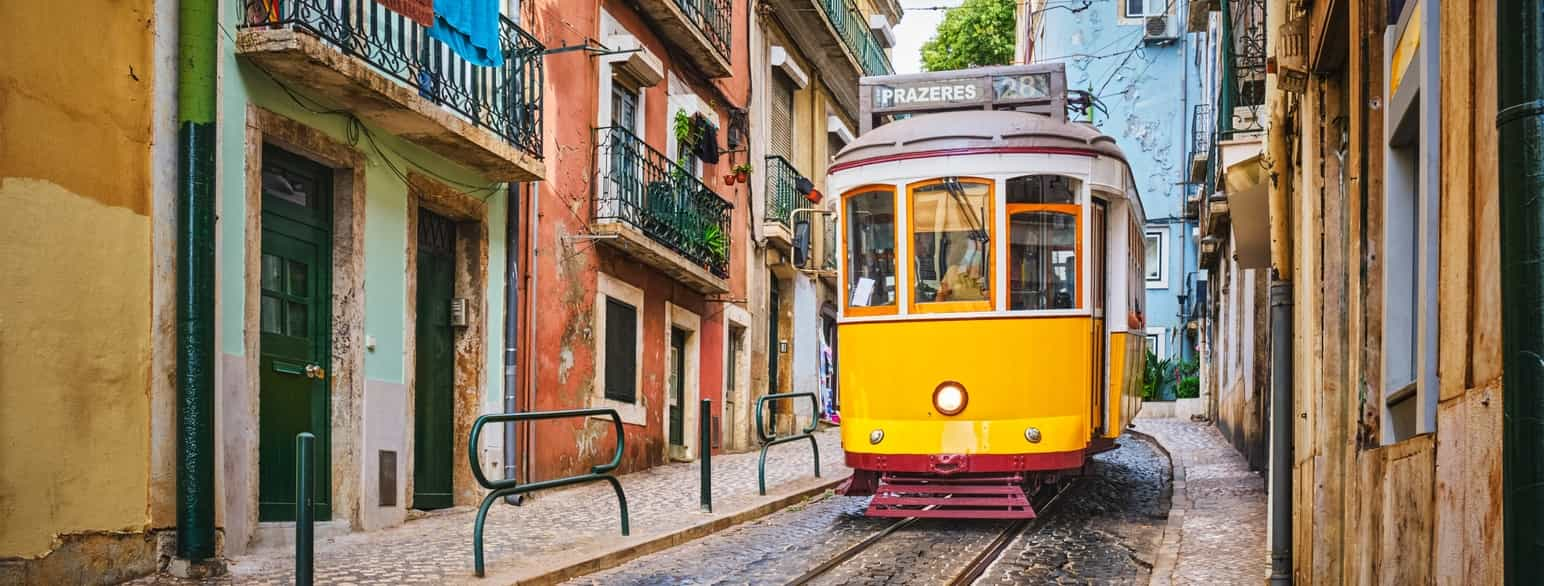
{"x": 782, "y": 115}
{"x": 621, "y": 351}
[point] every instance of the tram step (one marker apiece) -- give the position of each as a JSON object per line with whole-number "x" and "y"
{"x": 955, "y": 497}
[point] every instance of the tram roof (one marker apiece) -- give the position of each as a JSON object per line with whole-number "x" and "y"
{"x": 973, "y": 131}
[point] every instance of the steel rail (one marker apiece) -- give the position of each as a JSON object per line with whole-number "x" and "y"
{"x": 972, "y": 571}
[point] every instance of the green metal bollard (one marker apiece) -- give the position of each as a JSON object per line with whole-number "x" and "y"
{"x": 304, "y": 515}
{"x": 705, "y": 443}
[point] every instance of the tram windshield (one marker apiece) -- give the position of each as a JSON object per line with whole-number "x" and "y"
{"x": 870, "y": 234}
{"x": 951, "y": 241}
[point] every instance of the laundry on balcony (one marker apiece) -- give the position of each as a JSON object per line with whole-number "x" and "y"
{"x": 470, "y": 28}
{"x": 419, "y": 11}
{"x": 707, "y": 145}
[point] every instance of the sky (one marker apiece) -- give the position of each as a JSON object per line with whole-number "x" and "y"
{"x": 917, "y": 26}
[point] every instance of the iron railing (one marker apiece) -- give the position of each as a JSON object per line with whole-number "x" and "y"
{"x": 506, "y": 99}
{"x": 771, "y": 439}
{"x": 712, "y": 17}
{"x": 1202, "y": 125}
{"x": 782, "y": 198}
{"x": 643, "y": 188}
{"x": 851, "y": 25}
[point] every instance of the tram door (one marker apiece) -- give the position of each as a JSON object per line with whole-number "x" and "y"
{"x": 1099, "y": 408}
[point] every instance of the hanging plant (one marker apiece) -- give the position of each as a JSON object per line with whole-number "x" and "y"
{"x": 686, "y": 131}
{"x": 742, "y": 172}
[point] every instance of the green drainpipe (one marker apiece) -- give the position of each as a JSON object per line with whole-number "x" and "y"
{"x": 196, "y": 59}
{"x": 1229, "y": 78}
{"x": 1520, "y": 122}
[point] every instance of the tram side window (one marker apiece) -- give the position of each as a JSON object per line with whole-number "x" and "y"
{"x": 871, "y": 248}
{"x": 951, "y": 238}
{"x": 1042, "y": 260}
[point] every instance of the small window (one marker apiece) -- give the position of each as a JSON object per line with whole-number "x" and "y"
{"x": 1043, "y": 189}
{"x": 621, "y": 351}
{"x": 951, "y": 243}
{"x": 1142, "y": 8}
{"x": 870, "y": 232}
{"x": 1154, "y": 272}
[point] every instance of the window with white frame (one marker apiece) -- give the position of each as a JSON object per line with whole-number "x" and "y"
{"x": 1156, "y": 248}
{"x": 1143, "y": 8}
{"x": 619, "y": 348}
{"x": 1156, "y": 338}
{"x": 1411, "y": 237}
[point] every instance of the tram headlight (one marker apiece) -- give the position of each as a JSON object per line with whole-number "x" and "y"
{"x": 876, "y": 436}
{"x": 1032, "y": 434}
{"x": 949, "y": 398}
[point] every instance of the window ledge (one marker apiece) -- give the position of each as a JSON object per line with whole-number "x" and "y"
{"x": 631, "y": 413}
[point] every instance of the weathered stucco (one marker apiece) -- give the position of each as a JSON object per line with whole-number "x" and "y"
{"x": 75, "y": 307}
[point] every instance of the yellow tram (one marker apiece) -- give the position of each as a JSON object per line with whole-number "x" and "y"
{"x": 990, "y": 254}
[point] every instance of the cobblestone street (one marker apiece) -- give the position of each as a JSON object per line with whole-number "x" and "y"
{"x": 1217, "y": 525}
{"x": 550, "y": 532}
{"x": 1103, "y": 530}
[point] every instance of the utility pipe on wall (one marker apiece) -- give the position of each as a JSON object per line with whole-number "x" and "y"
{"x": 511, "y": 330}
{"x": 196, "y": 58}
{"x": 1520, "y": 125}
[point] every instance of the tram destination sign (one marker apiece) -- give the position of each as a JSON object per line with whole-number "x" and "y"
{"x": 961, "y": 92}
{"x": 1040, "y": 88}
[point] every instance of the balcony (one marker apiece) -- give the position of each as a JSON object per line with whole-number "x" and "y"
{"x": 1202, "y": 124}
{"x": 836, "y": 36}
{"x": 782, "y": 200}
{"x": 702, "y": 28}
{"x": 384, "y": 68}
{"x": 653, "y": 210}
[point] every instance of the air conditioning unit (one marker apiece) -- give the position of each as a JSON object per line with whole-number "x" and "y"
{"x": 1159, "y": 29}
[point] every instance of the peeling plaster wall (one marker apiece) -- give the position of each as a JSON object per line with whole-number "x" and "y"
{"x": 79, "y": 387}
{"x": 1149, "y": 91}
{"x": 561, "y": 364}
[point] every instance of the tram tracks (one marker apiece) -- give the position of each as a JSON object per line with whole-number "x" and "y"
{"x": 973, "y": 570}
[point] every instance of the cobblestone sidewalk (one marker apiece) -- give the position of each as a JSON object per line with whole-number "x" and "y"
{"x": 555, "y": 530}
{"x": 1217, "y": 526}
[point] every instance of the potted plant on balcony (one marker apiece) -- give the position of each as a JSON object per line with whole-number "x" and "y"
{"x": 687, "y": 132}
{"x": 718, "y": 247}
{"x": 742, "y": 172}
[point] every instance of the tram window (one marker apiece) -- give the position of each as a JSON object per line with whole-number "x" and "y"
{"x": 1043, "y": 189}
{"x": 1042, "y": 260}
{"x": 871, "y": 249}
{"x": 951, "y": 241}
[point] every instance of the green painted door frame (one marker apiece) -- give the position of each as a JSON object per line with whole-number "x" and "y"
{"x": 434, "y": 365}
{"x": 677, "y": 388}
{"x": 295, "y": 330}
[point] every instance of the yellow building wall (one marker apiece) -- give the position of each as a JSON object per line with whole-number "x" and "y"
{"x": 75, "y": 302}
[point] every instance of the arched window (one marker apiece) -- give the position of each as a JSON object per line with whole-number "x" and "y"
{"x": 1045, "y": 242}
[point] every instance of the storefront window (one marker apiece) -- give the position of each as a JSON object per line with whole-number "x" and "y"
{"x": 951, "y": 242}
{"x": 870, "y": 233}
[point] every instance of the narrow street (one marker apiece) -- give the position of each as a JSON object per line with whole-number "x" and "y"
{"x": 1105, "y": 529}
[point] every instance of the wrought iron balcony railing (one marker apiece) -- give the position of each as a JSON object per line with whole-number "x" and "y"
{"x": 1202, "y": 125}
{"x": 853, "y": 28}
{"x": 712, "y": 17}
{"x": 506, "y": 99}
{"x": 782, "y": 197}
{"x": 641, "y": 187}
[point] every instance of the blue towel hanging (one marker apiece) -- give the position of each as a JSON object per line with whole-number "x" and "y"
{"x": 470, "y": 28}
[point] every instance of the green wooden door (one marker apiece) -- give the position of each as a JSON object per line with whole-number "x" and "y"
{"x": 295, "y": 324}
{"x": 677, "y": 388}
{"x": 434, "y": 370}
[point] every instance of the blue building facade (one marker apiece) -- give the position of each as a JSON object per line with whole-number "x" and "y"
{"x": 1146, "y": 77}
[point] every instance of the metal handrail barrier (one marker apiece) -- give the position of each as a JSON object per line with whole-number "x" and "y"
{"x": 768, "y": 441}
{"x": 509, "y": 486}
{"x": 305, "y": 511}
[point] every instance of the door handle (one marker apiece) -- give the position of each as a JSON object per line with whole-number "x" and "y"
{"x": 314, "y": 371}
